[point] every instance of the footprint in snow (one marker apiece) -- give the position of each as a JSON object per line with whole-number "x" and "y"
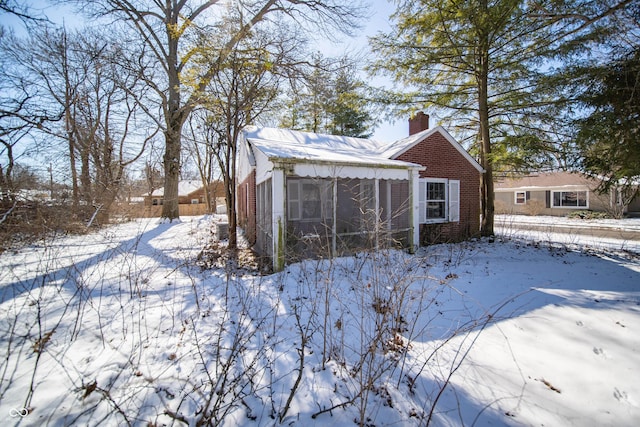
{"x": 598, "y": 351}
{"x": 622, "y": 397}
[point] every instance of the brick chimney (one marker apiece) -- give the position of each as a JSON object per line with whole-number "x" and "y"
{"x": 418, "y": 123}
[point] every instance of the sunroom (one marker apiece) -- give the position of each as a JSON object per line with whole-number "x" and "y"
{"x": 317, "y": 199}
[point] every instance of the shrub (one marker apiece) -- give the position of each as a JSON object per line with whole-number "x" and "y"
{"x": 588, "y": 215}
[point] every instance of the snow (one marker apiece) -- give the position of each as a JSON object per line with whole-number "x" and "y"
{"x": 299, "y": 138}
{"x": 122, "y": 327}
{"x": 185, "y": 187}
{"x": 600, "y": 234}
{"x": 290, "y": 144}
{"x": 320, "y": 153}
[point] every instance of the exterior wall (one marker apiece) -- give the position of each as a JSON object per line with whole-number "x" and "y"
{"x": 216, "y": 190}
{"x": 246, "y": 206}
{"x": 245, "y": 162}
{"x": 634, "y": 206}
{"x": 443, "y": 160}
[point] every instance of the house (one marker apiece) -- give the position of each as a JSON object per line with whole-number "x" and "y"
{"x": 304, "y": 194}
{"x": 556, "y": 193}
{"x": 191, "y": 198}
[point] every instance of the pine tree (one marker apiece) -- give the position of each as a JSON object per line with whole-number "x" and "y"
{"x": 480, "y": 63}
{"x": 609, "y": 137}
{"x": 349, "y": 112}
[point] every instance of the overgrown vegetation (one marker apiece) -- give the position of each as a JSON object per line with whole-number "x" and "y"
{"x": 589, "y": 215}
{"x": 175, "y": 343}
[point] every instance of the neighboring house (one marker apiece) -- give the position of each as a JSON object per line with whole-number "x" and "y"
{"x": 190, "y": 192}
{"x": 191, "y": 199}
{"x": 304, "y": 194}
{"x": 555, "y": 193}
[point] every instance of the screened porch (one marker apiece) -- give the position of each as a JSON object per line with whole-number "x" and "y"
{"x": 327, "y": 217}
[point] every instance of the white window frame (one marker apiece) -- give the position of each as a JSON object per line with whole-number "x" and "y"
{"x": 524, "y": 198}
{"x": 451, "y": 200}
{"x": 553, "y": 199}
{"x": 195, "y": 201}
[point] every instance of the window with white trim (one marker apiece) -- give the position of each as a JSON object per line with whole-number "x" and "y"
{"x": 521, "y": 198}
{"x": 570, "y": 199}
{"x": 439, "y": 200}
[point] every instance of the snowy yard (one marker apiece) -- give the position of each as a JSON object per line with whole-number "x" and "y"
{"x": 122, "y": 327}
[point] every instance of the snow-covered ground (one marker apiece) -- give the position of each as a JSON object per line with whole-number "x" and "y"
{"x": 122, "y": 327}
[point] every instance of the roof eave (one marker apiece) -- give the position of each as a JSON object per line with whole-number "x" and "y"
{"x": 292, "y": 161}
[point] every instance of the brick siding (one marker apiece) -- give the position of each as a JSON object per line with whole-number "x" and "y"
{"x": 246, "y": 197}
{"x": 444, "y": 161}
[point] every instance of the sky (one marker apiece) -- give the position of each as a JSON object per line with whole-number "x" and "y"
{"x": 379, "y": 21}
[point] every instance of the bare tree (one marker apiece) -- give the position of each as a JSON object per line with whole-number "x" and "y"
{"x": 106, "y": 123}
{"x": 243, "y": 89}
{"x": 169, "y": 31}
{"x": 82, "y": 79}
{"x": 20, "y": 112}
{"x": 204, "y": 156}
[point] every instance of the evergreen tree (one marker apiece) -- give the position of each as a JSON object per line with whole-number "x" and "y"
{"x": 330, "y": 99}
{"x": 349, "y": 111}
{"x": 609, "y": 137}
{"x": 480, "y": 61}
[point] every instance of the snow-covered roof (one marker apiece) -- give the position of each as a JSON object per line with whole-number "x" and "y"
{"x": 284, "y": 144}
{"x": 185, "y": 188}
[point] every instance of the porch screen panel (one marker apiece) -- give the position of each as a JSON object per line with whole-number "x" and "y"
{"x": 264, "y": 231}
{"x": 394, "y": 211}
{"x": 355, "y": 215}
{"x": 356, "y": 206}
{"x": 309, "y": 217}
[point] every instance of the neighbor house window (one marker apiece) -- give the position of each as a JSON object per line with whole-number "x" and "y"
{"x": 570, "y": 199}
{"x": 305, "y": 198}
{"x": 439, "y": 200}
{"x": 521, "y": 197}
{"x": 195, "y": 201}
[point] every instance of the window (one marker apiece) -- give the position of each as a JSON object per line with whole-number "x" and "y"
{"x": 439, "y": 200}
{"x": 436, "y": 200}
{"x": 521, "y": 197}
{"x": 570, "y": 199}
{"x": 195, "y": 201}
{"x": 305, "y": 198}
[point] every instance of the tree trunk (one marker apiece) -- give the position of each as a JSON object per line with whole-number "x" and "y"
{"x": 230, "y": 188}
{"x": 486, "y": 160}
{"x": 174, "y": 120}
{"x": 85, "y": 174}
{"x": 69, "y": 127}
{"x": 170, "y": 208}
